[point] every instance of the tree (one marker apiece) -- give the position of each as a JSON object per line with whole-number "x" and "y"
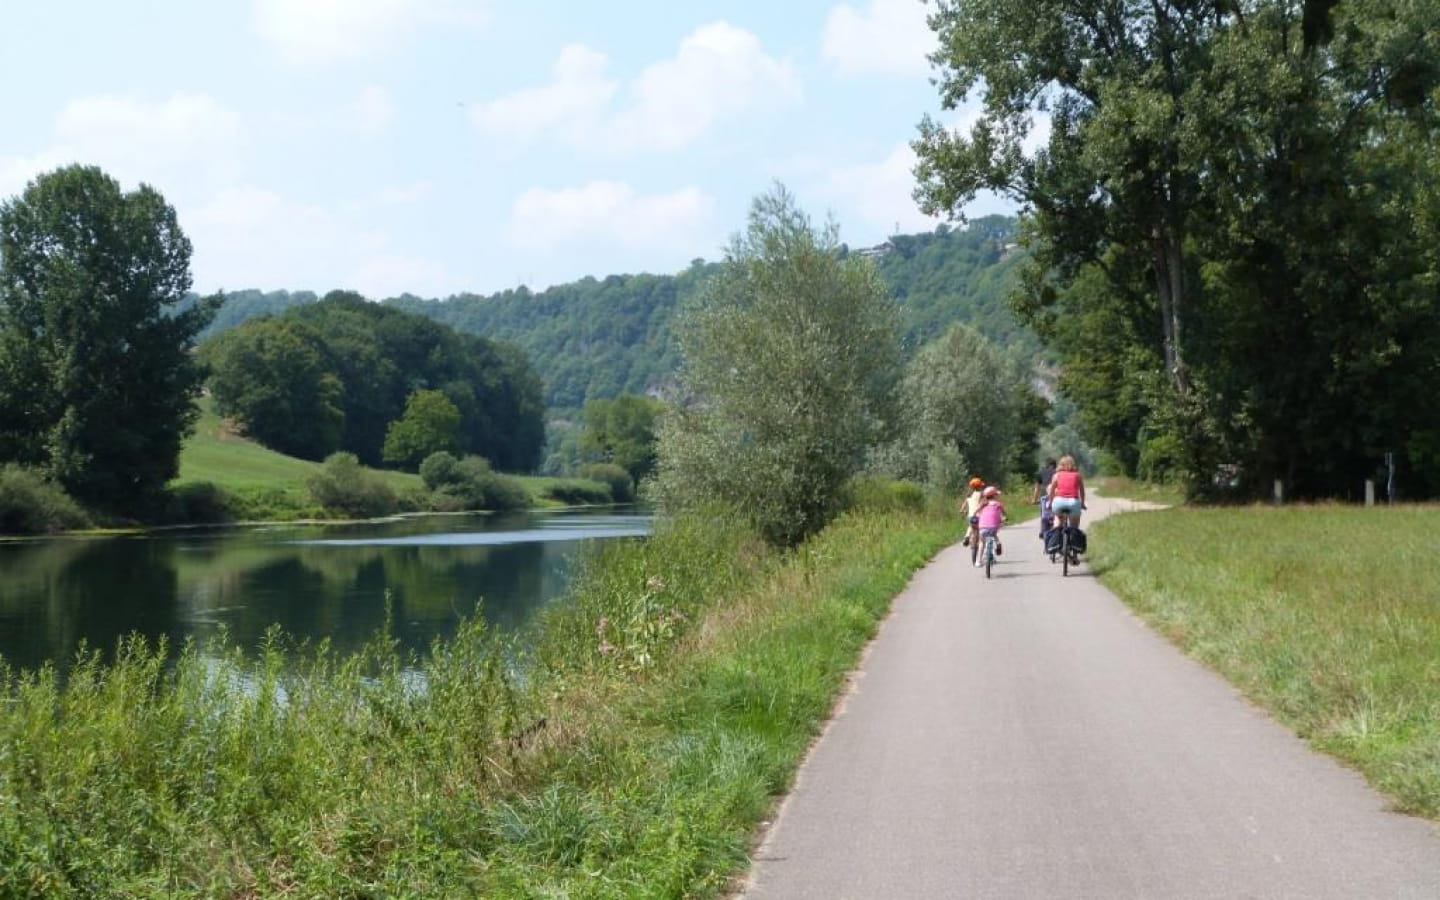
{"x": 1223, "y": 217}
{"x": 97, "y": 384}
{"x": 789, "y": 364}
{"x": 431, "y": 424}
{"x": 274, "y": 377}
{"x": 622, "y": 431}
{"x": 962, "y": 405}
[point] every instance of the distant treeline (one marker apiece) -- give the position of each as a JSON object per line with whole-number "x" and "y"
{"x": 599, "y": 338}
{"x": 334, "y": 374}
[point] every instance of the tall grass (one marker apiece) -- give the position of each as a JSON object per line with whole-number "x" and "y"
{"x": 627, "y": 752}
{"x": 1327, "y": 616}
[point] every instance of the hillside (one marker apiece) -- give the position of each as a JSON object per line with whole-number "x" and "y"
{"x": 597, "y": 338}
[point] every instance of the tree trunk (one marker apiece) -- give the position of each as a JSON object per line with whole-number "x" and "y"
{"x": 1168, "y": 260}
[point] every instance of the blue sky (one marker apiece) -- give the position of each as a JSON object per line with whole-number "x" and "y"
{"x": 440, "y": 146}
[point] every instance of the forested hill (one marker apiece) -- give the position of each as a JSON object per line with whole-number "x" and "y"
{"x": 597, "y": 338}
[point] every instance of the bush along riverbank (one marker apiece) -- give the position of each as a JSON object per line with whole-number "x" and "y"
{"x": 1326, "y": 616}
{"x": 628, "y": 751}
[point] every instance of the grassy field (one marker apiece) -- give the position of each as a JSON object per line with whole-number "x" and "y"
{"x": 215, "y": 453}
{"x": 1130, "y": 489}
{"x": 1327, "y": 616}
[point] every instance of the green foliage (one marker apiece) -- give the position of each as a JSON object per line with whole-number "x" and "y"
{"x": 578, "y": 491}
{"x": 1229, "y": 242}
{"x": 30, "y": 504}
{"x": 197, "y": 503}
{"x": 622, "y": 431}
{"x": 790, "y": 362}
{"x": 600, "y": 338}
{"x": 957, "y": 274}
{"x": 616, "y": 478}
{"x": 963, "y": 407}
{"x": 378, "y": 356}
{"x": 469, "y": 483}
{"x": 875, "y": 494}
{"x": 274, "y": 376}
{"x": 97, "y": 386}
{"x": 628, "y": 749}
{"x": 431, "y": 424}
{"x": 342, "y": 485}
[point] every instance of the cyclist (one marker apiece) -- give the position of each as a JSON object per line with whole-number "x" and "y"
{"x": 1040, "y": 493}
{"x": 972, "y": 512}
{"x": 1067, "y": 491}
{"x": 992, "y": 514}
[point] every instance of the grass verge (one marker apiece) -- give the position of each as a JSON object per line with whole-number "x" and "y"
{"x": 1326, "y": 616}
{"x": 1118, "y": 486}
{"x": 629, "y": 752}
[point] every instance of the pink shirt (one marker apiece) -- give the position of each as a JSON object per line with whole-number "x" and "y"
{"x": 992, "y": 514}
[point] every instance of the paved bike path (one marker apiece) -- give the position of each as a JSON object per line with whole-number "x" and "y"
{"x": 1027, "y": 737}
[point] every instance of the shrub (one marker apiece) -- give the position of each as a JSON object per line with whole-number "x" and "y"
{"x": 29, "y": 504}
{"x": 879, "y": 494}
{"x": 469, "y": 483}
{"x": 622, "y": 486}
{"x": 344, "y": 486}
{"x": 197, "y": 503}
{"x": 576, "y": 491}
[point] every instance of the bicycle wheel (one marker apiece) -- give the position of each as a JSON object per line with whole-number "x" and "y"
{"x": 1065, "y": 552}
{"x": 989, "y": 555}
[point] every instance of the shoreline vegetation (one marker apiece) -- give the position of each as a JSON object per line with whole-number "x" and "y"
{"x": 629, "y": 751}
{"x": 633, "y": 749}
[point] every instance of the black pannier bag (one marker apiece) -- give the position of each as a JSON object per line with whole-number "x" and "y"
{"x": 1077, "y": 540}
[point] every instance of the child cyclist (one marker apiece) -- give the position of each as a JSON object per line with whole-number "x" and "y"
{"x": 972, "y": 512}
{"x": 992, "y": 514}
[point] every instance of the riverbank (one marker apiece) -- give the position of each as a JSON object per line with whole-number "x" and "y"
{"x": 1323, "y": 615}
{"x": 660, "y": 712}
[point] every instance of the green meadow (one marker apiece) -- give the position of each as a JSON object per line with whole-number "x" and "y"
{"x": 1327, "y": 616}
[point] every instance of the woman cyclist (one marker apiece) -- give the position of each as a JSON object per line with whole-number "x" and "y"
{"x": 1067, "y": 491}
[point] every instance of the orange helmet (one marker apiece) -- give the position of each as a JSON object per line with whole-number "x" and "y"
{"x": 977, "y": 483}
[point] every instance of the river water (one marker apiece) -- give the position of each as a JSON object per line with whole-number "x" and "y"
{"x": 313, "y": 581}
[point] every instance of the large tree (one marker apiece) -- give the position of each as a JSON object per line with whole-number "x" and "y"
{"x": 97, "y": 383}
{"x": 1222, "y": 216}
{"x": 274, "y": 376}
{"x": 789, "y": 365}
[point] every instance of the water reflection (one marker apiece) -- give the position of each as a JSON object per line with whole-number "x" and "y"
{"x": 312, "y": 581}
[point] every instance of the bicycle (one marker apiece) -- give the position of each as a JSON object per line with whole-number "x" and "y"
{"x": 1068, "y": 555}
{"x": 989, "y": 553}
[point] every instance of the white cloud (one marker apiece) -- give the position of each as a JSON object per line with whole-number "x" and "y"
{"x": 878, "y": 197}
{"x": 719, "y": 73}
{"x": 887, "y": 36}
{"x": 878, "y": 194}
{"x": 612, "y": 213}
{"x": 578, "y": 90}
{"x": 323, "y": 31}
{"x": 373, "y": 110}
{"x": 181, "y": 145}
{"x": 248, "y": 236}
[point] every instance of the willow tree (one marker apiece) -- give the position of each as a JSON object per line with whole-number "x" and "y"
{"x": 788, "y": 368}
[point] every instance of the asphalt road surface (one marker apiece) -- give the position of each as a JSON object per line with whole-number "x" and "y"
{"x": 1027, "y": 737}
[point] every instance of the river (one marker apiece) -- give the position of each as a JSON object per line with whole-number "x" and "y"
{"x": 313, "y": 581}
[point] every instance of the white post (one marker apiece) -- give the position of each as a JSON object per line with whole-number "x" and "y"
{"x": 1279, "y": 492}
{"x": 1369, "y": 492}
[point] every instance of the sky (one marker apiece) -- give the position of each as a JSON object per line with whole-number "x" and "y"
{"x": 443, "y": 146}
